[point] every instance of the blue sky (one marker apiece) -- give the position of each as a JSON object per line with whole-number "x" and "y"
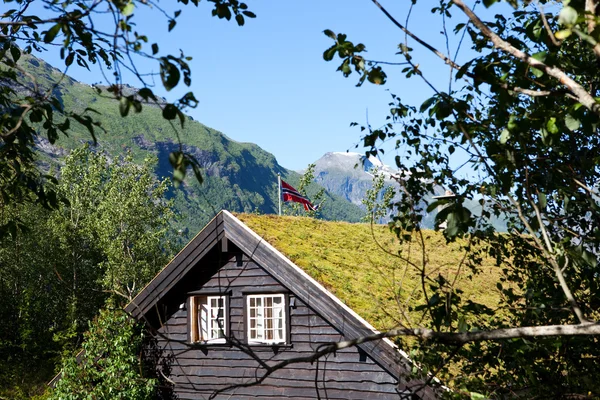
{"x": 267, "y": 83}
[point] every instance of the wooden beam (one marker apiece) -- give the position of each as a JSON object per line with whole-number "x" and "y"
{"x": 224, "y": 247}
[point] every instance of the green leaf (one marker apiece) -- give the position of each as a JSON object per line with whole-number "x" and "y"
{"x": 589, "y": 258}
{"x": 169, "y": 73}
{"x": 329, "y": 33}
{"x": 434, "y": 205}
{"x": 567, "y": 16}
{"x": 249, "y": 14}
{"x": 128, "y": 9}
{"x": 572, "y": 123}
{"x": 477, "y": 396}
{"x": 513, "y": 123}
{"x": 433, "y": 300}
{"x": 427, "y": 103}
{"x": 197, "y": 172}
{"x": 170, "y": 112}
{"x": 69, "y": 59}
{"x": 154, "y": 48}
{"x": 542, "y": 201}
{"x": 329, "y": 53}
{"x": 504, "y": 136}
{"x": 15, "y": 52}
{"x": 463, "y": 326}
{"x": 376, "y": 76}
{"x": 35, "y": 115}
{"x": 179, "y": 174}
{"x": 540, "y": 56}
{"x": 176, "y": 159}
{"x": 538, "y": 73}
{"x": 52, "y": 32}
{"x": 458, "y": 27}
{"x": 488, "y": 3}
{"x": 561, "y": 35}
{"x": 239, "y": 19}
{"x": 551, "y": 125}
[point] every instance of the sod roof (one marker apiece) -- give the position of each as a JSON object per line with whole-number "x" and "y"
{"x": 359, "y": 263}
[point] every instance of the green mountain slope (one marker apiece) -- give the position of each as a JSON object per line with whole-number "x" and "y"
{"x": 238, "y": 176}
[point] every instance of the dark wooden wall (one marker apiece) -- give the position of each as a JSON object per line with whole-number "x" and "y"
{"x": 199, "y": 371}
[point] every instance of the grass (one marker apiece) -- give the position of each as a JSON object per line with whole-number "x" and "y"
{"x": 366, "y": 267}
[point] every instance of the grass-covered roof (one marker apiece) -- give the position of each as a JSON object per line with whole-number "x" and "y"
{"x": 359, "y": 263}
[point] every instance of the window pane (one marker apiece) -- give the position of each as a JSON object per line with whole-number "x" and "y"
{"x": 266, "y": 318}
{"x": 211, "y": 321}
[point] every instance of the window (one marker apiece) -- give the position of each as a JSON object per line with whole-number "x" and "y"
{"x": 266, "y": 318}
{"x": 208, "y": 319}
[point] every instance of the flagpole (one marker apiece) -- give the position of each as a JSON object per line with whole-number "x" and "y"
{"x": 279, "y": 191}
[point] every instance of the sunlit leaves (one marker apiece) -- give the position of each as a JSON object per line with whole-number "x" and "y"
{"x": 563, "y": 34}
{"x": 571, "y": 122}
{"x": 128, "y": 9}
{"x": 121, "y": 206}
{"x": 568, "y": 16}
{"x": 110, "y": 365}
{"x": 504, "y": 136}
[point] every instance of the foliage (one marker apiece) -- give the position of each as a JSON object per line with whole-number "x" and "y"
{"x": 86, "y": 37}
{"x": 120, "y": 208}
{"x": 378, "y": 198}
{"x": 109, "y": 364}
{"x": 522, "y": 121}
{"x": 109, "y": 236}
{"x": 32, "y": 305}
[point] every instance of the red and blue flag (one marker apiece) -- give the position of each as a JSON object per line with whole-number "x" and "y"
{"x": 290, "y": 194}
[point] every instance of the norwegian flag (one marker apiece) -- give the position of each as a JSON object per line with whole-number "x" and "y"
{"x": 291, "y": 194}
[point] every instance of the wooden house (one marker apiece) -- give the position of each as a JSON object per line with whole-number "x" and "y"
{"x": 230, "y": 307}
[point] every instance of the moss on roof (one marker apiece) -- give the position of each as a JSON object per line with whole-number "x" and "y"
{"x": 359, "y": 264}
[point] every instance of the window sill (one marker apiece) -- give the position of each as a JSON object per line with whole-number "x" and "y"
{"x": 273, "y": 346}
{"x": 211, "y": 343}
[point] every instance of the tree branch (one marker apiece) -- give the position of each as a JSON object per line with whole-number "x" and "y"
{"x": 546, "y": 25}
{"x": 450, "y": 338}
{"x": 454, "y": 65}
{"x": 590, "y": 11}
{"x": 588, "y": 329}
{"x": 557, "y": 270}
{"x": 580, "y": 93}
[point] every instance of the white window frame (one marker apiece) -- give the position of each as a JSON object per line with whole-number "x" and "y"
{"x": 204, "y": 323}
{"x": 259, "y": 323}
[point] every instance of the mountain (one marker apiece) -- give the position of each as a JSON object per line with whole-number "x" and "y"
{"x": 350, "y": 175}
{"x": 240, "y": 177}
{"x": 346, "y": 175}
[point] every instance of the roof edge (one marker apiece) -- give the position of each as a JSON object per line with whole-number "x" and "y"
{"x": 310, "y": 279}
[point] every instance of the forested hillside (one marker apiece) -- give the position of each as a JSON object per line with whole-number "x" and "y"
{"x": 238, "y": 176}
